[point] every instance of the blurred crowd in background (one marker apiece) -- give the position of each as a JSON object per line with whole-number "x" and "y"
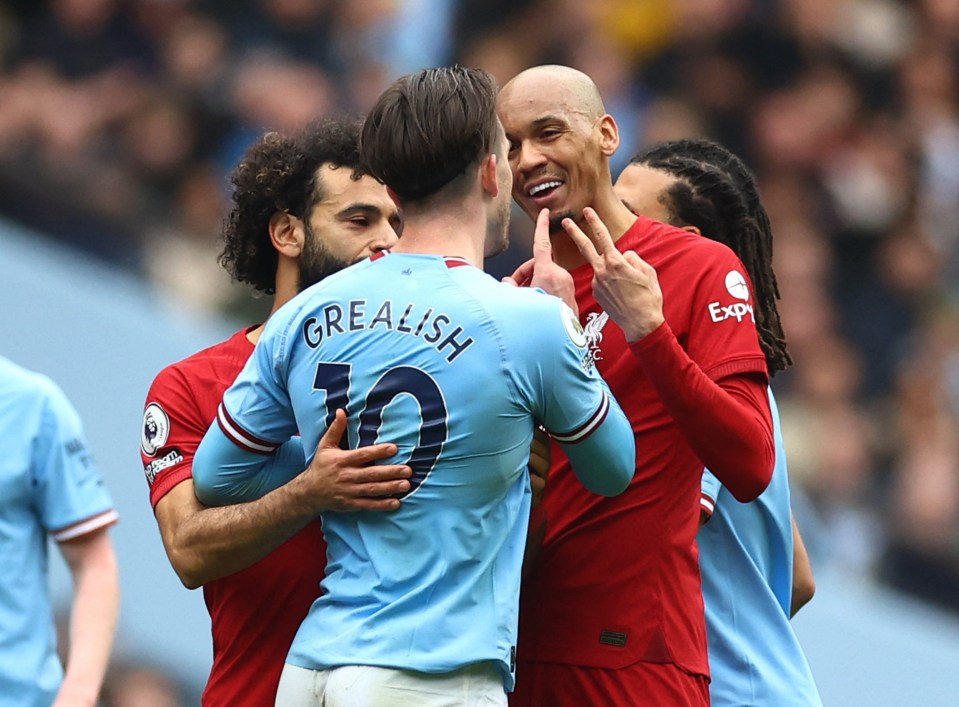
{"x": 120, "y": 119}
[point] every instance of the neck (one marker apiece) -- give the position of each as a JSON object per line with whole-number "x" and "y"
{"x": 458, "y": 230}
{"x": 611, "y": 211}
{"x": 287, "y": 287}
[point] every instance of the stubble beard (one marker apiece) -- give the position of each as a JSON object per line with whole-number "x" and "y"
{"x": 497, "y": 231}
{"x": 556, "y": 221}
{"x": 316, "y": 261}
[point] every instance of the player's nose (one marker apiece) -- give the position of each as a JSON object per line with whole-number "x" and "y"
{"x": 384, "y": 240}
{"x": 528, "y": 158}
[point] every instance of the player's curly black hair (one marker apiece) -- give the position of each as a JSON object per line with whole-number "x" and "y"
{"x": 717, "y": 193}
{"x": 278, "y": 173}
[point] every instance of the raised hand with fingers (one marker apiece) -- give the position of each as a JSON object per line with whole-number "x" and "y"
{"x": 348, "y": 480}
{"x": 540, "y": 270}
{"x": 625, "y": 285}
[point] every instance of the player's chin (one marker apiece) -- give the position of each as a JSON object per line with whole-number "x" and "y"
{"x": 496, "y": 245}
{"x": 556, "y": 219}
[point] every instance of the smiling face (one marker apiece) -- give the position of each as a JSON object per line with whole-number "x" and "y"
{"x": 559, "y": 143}
{"x": 353, "y": 219}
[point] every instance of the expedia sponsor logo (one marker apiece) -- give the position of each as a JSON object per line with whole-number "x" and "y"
{"x": 169, "y": 459}
{"x": 737, "y": 311}
{"x": 736, "y": 286}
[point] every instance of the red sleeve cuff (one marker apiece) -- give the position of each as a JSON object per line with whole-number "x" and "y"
{"x": 653, "y": 339}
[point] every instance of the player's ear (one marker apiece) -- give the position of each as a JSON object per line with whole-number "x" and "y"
{"x": 487, "y": 175}
{"x": 608, "y": 135}
{"x": 287, "y": 234}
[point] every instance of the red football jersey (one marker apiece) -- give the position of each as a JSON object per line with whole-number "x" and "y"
{"x": 616, "y": 580}
{"x": 255, "y": 612}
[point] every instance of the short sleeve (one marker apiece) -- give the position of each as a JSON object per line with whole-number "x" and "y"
{"x": 256, "y": 413}
{"x": 566, "y": 391}
{"x": 709, "y": 492}
{"x": 170, "y": 431}
{"x": 722, "y": 337}
{"x": 71, "y": 497}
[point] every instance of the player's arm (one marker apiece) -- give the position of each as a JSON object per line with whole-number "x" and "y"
{"x": 570, "y": 398}
{"x": 93, "y": 616}
{"x": 727, "y": 422}
{"x": 602, "y": 449}
{"x": 540, "y": 456}
{"x": 804, "y": 584}
{"x": 206, "y": 543}
{"x": 223, "y": 463}
{"x": 578, "y": 409}
{"x": 539, "y": 460}
{"x": 708, "y": 495}
{"x": 76, "y": 508}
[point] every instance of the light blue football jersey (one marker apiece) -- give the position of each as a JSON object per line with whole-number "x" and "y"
{"x": 746, "y": 561}
{"x": 452, "y": 366}
{"x": 48, "y": 485}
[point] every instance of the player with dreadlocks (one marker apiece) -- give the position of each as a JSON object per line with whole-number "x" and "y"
{"x": 755, "y": 571}
{"x": 714, "y": 191}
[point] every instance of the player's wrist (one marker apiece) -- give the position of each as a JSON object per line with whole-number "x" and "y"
{"x": 640, "y": 330}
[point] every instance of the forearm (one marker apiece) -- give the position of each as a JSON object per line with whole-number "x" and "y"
{"x": 207, "y": 543}
{"x": 729, "y": 429}
{"x": 604, "y": 459}
{"x": 225, "y": 474}
{"x": 93, "y": 618}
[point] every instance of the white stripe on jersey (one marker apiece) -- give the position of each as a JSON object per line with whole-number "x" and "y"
{"x": 586, "y": 429}
{"x": 239, "y": 437}
{"x": 86, "y": 526}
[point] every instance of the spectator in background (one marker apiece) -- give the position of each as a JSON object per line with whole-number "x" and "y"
{"x": 49, "y": 486}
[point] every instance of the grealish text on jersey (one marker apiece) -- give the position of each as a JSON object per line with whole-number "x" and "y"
{"x": 354, "y": 316}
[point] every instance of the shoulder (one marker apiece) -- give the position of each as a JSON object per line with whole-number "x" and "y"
{"x": 199, "y": 364}
{"x": 662, "y": 240}
{"x": 687, "y": 264}
{"x": 211, "y": 369}
{"x": 534, "y": 321}
{"x": 23, "y": 387}
{"x": 528, "y": 307}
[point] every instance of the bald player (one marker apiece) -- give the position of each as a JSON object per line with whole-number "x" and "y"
{"x": 612, "y": 609}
